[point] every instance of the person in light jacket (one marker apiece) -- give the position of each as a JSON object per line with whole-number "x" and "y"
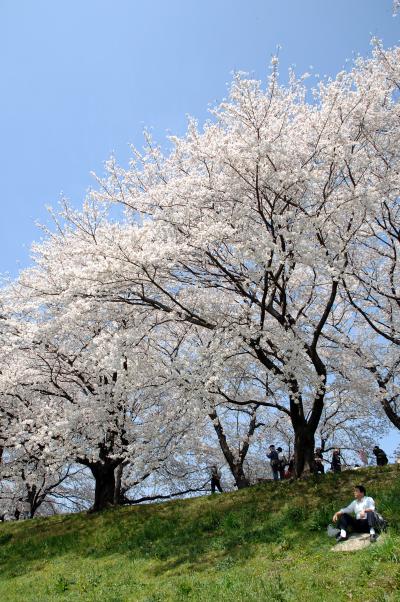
{"x": 364, "y": 509}
{"x": 282, "y": 463}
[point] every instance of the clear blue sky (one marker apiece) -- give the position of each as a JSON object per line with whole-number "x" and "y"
{"x": 82, "y": 78}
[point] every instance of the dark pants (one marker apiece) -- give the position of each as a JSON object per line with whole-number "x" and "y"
{"x": 281, "y": 471}
{"x": 275, "y": 473}
{"x": 358, "y": 525}
{"x": 215, "y": 483}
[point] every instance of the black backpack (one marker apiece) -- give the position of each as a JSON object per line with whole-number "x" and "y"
{"x": 274, "y": 459}
{"x": 380, "y": 524}
{"x": 381, "y": 457}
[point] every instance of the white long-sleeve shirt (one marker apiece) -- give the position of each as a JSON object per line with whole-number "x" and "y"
{"x": 366, "y": 503}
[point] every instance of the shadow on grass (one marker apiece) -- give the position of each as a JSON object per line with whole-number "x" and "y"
{"x": 199, "y": 533}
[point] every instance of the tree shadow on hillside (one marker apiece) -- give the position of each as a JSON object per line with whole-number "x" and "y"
{"x": 190, "y": 535}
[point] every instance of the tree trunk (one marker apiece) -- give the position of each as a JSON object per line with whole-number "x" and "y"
{"x": 104, "y": 475}
{"x": 32, "y": 500}
{"x": 118, "y": 481}
{"x": 235, "y": 464}
{"x": 304, "y": 443}
{"x": 240, "y": 478}
{"x": 390, "y": 413}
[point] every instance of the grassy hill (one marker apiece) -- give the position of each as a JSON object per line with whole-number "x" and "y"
{"x": 265, "y": 543}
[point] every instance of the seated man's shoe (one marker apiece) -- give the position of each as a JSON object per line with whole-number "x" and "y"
{"x": 340, "y": 538}
{"x": 373, "y": 537}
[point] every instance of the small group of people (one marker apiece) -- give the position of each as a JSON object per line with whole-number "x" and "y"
{"x": 281, "y": 466}
{"x": 336, "y": 460}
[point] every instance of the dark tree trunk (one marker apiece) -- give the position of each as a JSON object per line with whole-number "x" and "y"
{"x": 33, "y": 501}
{"x": 104, "y": 475}
{"x": 304, "y": 428}
{"x": 118, "y": 494}
{"x": 388, "y": 404}
{"x": 304, "y": 443}
{"x": 235, "y": 464}
{"x": 240, "y": 478}
{"x": 393, "y": 416}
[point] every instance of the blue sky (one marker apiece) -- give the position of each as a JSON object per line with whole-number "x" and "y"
{"x": 82, "y": 78}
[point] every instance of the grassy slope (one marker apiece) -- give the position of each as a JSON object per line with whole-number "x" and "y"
{"x": 264, "y": 543}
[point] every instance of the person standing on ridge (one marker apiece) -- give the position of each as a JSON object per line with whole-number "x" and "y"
{"x": 289, "y": 474}
{"x": 282, "y": 463}
{"x": 336, "y": 463}
{"x": 381, "y": 457}
{"x": 319, "y": 467}
{"x": 215, "y": 479}
{"x": 274, "y": 462}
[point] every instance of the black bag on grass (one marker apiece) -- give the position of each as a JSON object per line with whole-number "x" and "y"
{"x": 380, "y": 523}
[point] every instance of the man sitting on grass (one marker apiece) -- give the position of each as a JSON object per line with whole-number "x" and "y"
{"x": 364, "y": 509}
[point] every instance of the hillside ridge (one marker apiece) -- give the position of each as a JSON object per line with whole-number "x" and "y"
{"x": 267, "y": 542}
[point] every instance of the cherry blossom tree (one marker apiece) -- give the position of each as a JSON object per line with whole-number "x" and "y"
{"x": 244, "y": 229}
{"x": 76, "y": 394}
{"x": 372, "y": 276}
{"x": 250, "y": 261}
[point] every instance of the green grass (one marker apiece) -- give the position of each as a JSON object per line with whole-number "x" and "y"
{"x": 264, "y": 543}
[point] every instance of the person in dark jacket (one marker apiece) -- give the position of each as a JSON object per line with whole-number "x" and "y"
{"x": 381, "y": 457}
{"x": 289, "y": 474}
{"x": 336, "y": 463}
{"x": 273, "y": 457}
{"x": 319, "y": 467}
{"x": 215, "y": 479}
